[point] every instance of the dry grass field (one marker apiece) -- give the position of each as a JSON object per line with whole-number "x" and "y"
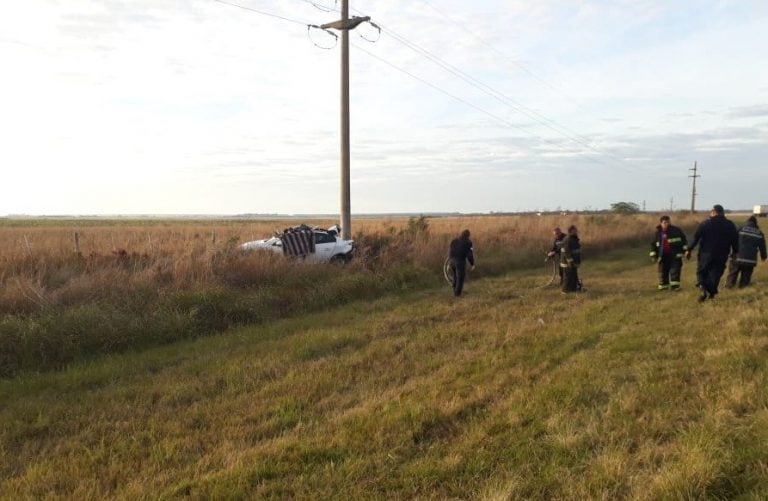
{"x": 73, "y": 289}
{"x": 512, "y": 392}
{"x": 49, "y": 262}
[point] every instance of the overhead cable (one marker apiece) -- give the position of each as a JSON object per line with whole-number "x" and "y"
{"x": 321, "y": 7}
{"x": 490, "y": 46}
{"x": 309, "y": 26}
{"x": 467, "y": 103}
{"x": 534, "y": 115}
{"x": 263, "y": 13}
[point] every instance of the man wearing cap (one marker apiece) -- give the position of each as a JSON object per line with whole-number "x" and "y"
{"x": 751, "y": 240}
{"x": 718, "y": 238}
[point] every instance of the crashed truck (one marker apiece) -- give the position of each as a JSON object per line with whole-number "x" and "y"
{"x": 309, "y": 243}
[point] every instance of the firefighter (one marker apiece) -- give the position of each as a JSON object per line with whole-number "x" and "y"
{"x": 667, "y": 249}
{"x": 718, "y": 238}
{"x": 557, "y": 246}
{"x": 570, "y": 260}
{"x": 460, "y": 253}
{"x": 751, "y": 240}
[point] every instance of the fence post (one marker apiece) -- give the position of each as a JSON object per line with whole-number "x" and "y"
{"x": 77, "y": 243}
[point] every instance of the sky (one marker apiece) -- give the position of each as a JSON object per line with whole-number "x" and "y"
{"x": 198, "y": 107}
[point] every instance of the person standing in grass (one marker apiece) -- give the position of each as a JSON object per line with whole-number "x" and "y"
{"x": 668, "y": 248}
{"x": 461, "y": 252}
{"x": 751, "y": 240}
{"x": 718, "y": 238}
{"x": 557, "y": 246}
{"x": 570, "y": 260}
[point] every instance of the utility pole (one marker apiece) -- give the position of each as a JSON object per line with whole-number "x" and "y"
{"x": 671, "y": 204}
{"x": 344, "y": 25}
{"x": 693, "y": 190}
{"x": 643, "y": 205}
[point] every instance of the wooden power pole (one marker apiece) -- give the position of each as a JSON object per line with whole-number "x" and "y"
{"x": 693, "y": 190}
{"x": 344, "y": 25}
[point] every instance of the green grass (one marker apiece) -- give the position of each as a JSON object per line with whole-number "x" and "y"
{"x": 508, "y": 393}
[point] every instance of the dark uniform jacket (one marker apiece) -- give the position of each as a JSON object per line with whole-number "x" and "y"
{"x": 717, "y": 237}
{"x": 461, "y": 249}
{"x": 751, "y": 240}
{"x": 571, "y": 253}
{"x": 557, "y": 245}
{"x": 676, "y": 238}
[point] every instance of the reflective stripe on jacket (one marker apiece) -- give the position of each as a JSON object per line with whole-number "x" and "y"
{"x": 571, "y": 253}
{"x": 676, "y": 239}
{"x": 557, "y": 245}
{"x": 751, "y": 241}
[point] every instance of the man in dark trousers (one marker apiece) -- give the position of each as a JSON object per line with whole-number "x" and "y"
{"x": 557, "y": 246}
{"x": 570, "y": 260}
{"x": 718, "y": 238}
{"x": 668, "y": 248}
{"x": 460, "y": 253}
{"x": 751, "y": 240}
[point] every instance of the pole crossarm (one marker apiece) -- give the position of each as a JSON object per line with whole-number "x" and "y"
{"x": 346, "y": 24}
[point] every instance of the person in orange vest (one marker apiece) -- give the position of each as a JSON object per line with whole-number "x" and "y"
{"x": 667, "y": 249}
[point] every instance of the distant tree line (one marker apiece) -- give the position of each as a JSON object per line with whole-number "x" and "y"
{"x": 625, "y": 208}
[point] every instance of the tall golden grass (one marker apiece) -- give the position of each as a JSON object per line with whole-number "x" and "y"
{"x": 75, "y": 288}
{"x": 45, "y": 263}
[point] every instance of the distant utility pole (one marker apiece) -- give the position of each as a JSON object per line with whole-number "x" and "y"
{"x": 643, "y": 205}
{"x": 693, "y": 190}
{"x": 671, "y": 204}
{"x": 344, "y": 25}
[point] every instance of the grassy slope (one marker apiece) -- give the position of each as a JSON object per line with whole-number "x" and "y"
{"x": 508, "y": 392}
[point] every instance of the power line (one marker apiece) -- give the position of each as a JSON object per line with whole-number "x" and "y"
{"x": 490, "y": 46}
{"x": 263, "y": 13}
{"x": 534, "y": 115}
{"x": 487, "y": 44}
{"x": 457, "y": 72}
{"x": 467, "y": 103}
{"x": 321, "y": 7}
{"x": 488, "y": 90}
{"x": 309, "y": 26}
{"x": 515, "y": 105}
{"x": 553, "y": 86}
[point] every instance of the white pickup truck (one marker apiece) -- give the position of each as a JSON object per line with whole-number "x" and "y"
{"x": 329, "y": 246}
{"x": 760, "y": 210}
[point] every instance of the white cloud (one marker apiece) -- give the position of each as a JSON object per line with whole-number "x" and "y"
{"x": 178, "y": 106}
